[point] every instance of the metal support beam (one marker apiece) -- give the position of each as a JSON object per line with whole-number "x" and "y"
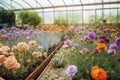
{"x": 38, "y": 3}
{"x": 18, "y": 4}
{"x": 64, "y": 3}
{"x": 28, "y": 4}
{"x": 51, "y": 3}
{"x": 4, "y": 5}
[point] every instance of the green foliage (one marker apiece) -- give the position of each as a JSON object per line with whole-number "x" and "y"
{"x": 61, "y": 21}
{"x": 112, "y": 20}
{"x": 7, "y": 16}
{"x": 28, "y": 17}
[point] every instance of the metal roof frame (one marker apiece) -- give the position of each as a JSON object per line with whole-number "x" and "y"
{"x": 90, "y": 4}
{"x": 4, "y": 5}
{"x": 18, "y": 3}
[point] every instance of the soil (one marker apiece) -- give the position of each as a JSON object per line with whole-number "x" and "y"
{"x": 53, "y": 73}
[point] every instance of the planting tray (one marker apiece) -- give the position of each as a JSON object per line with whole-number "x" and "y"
{"x": 34, "y": 75}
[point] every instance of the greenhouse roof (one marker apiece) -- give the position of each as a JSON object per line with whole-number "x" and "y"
{"x": 44, "y": 4}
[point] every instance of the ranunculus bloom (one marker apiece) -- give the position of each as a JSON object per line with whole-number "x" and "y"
{"x": 4, "y": 49}
{"x": 76, "y": 45}
{"x": 92, "y": 35}
{"x": 67, "y": 42}
{"x": 86, "y": 38}
{"x": 117, "y": 41}
{"x": 113, "y": 46}
{"x": 71, "y": 70}
{"x": 98, "y": 73}
{"x": 95, "y": 50}
{"x": 66, "y": 37}
{"x": 37, "y": 54}
{"x": 101, "y": 46}
{"x": 111, "y": 51}
{"x": 32, "y": 43}
{"x": 22, "y": 46}
{"x": 11, "y": 63}
{"x": 2, "y": 59}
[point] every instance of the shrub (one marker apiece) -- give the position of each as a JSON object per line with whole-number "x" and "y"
{"x": 28, "y": 17}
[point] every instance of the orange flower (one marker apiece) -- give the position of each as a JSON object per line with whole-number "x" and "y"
{"x": 11, "y": 63}
{"x": 98, "y": 73}
{"x": 3, "y": 36}
{"x": 4, "y": 49}
{"x": 2, "y": 59}
{"x": 101, "y": 46}
{"x": 32, "y": 43}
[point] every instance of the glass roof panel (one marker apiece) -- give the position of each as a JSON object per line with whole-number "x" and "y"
{"x": 91, "y": 1}
{"x": 22, "y": 3}
{"x": 44, "y": 3}
{"x": 32, "y": 3}
{"x": 111, "y": 6}
{"x": 110, "y": 0}
{"x": 57, "y": 2}
{"x": 68, "y": 2}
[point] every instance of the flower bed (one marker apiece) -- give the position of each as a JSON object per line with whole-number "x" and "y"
{"x": 93, "y": 54}
{"x": 22, "y": 50}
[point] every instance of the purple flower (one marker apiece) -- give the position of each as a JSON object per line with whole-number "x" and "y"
{"x": 26, "y": 26}
{"x": 77, "y": 30}
{"x": 92, "y": 35}
{"x": 113, "y": 30}
{"x": 76, "y": 45}
{"x": 104, "y": 30}
{"x": 113, "y": 46}
{"x": 111, "y": 51}
{"x": 17, "y": 36}
{"x": 71, "y": 70}
{"x": 87, "y": 26}
{"x": 9, "y": 34}
{"x": 86, "y": 37}
{"x": 31, "y": 31}
{"x": 3, "y": 31}
{"x": 66, "y": 37}
{"x": 67, "y": 42}
{"x": 95, "y": 50}
{"x": 117, "y": 41}
{"x": 13, "y": 28}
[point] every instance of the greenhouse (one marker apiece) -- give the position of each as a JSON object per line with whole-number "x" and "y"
{"x": 59, "y": 39}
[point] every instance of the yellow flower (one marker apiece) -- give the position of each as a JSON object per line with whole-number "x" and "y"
{"x": 32, "y": 43}
{"x": 14, "y": 48}
{"x": 22, "y": 46}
